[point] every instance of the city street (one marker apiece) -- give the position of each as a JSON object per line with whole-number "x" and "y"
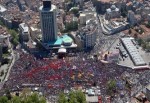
{"x": 104, "y": 42}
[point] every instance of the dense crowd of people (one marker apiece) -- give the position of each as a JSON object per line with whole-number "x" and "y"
{"x": 55, "y": 75}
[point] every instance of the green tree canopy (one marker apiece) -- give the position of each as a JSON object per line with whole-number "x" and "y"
{"x": 3, "y": 99}
{"x": 1, "y": 23}
{"x": 15, "y": 37}
{"x": 111, "y": 85}
{"x": 80, "y": 97}
{"x": 72, "y": 26}
{"x": 73, "y": 97}
{"x": 25, "y": 98}
{"x": 140, "y": 41}
{"x": 62, "y": 98}
{"x": 16, "y": 99}
{"x": 75, "y": 11}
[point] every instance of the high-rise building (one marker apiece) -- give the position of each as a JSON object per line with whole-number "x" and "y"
{"x": 88, "y": 33}
{"x": 48, "y": 21}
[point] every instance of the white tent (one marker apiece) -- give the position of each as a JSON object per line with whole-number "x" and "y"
{"x": 62, "y": 50}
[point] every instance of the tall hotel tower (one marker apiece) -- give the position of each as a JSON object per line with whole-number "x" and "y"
{"x": 48, "y": 21}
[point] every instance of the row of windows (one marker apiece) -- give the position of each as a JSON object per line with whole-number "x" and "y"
{"x": 48, "y": 26}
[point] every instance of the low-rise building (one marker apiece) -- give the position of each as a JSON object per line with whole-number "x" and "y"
{"x": 30, "y": 46}
{"x": 112, "y": 12}
{"x": 114, "y": 26}
{"x": 133, "y": 52}
{"x": 34, "y": 32}
{"x": 24, "y": 31}
{"x": 63, "y": 41}
{"x": 84, "y": 16}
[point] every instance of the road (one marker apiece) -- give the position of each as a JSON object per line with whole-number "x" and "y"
{"x": 12, "y": 63}
{"x": 103, "y": 42}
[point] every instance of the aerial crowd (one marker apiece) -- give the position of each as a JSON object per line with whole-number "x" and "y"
{"x": 54, "y": 75}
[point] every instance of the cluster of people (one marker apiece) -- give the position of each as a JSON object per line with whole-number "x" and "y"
{"x": 55, "y": 75}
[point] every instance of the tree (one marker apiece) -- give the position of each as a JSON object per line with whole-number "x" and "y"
{"x": 3, "y": 99}
{"x": 15, "y": 42}
{"x": 111, "y": 85}
{"x": 8, "y": 95}
{"x": 71, "y": 26}
{"x": 73, "y": 97}
{"x": 144, "y": 45}
{"x": 16, "y": 99}
{"x": 25, "y": 93}
{"x": 62, "y": 98}
{"x": 148, "y": 25}
{"x": 1, "y": 23}
{"x": 35, "y": 98}
{"x": 29, "y": 98}
{"x": 80, "y": 97}
{"x": 141, "y": 30}
{"x": 140, "y": 41}
{"x": 42, "y": 100}
{"x": 75, "y": 11}
{"x": 15, "y": 37}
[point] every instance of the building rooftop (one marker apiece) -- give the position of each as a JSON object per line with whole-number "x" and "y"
{"x": 62, "y": 50}
{"x": 24, "y": 27}
{"x": 91, "y": 26}
{"x": 61, "y": 40}
{"x": 136, "y": 57}
{"x": 67, "y": 39}
{"x": 2, "y": 8}
{"x": 53, "y": 7}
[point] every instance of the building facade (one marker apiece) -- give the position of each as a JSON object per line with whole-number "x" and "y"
{"x": 88, "y": 34}
{"x": 48, "y": 21}
{"x": 90, "y": 40}
{"x": 24, "y": 31}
